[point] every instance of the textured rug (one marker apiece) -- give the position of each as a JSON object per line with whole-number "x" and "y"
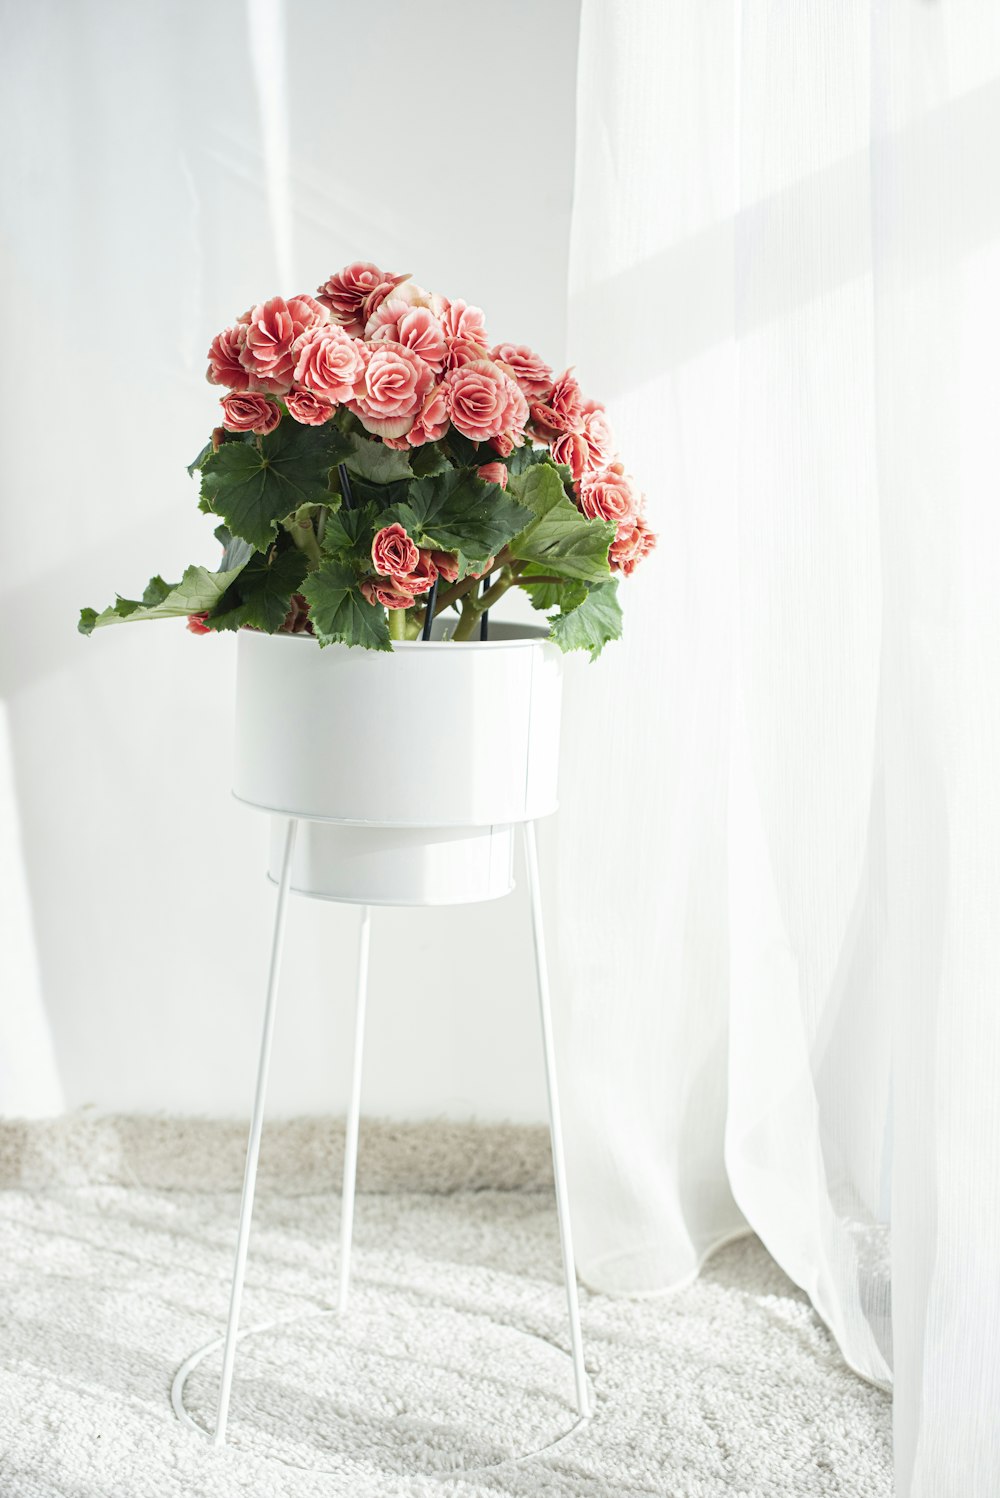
{"x": 449, "y": 1373}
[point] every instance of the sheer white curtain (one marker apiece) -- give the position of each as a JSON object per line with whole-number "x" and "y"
{"x": 786, "y": 1008}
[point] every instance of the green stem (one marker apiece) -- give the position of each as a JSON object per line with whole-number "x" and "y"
{"x": 470, "y": 584}
{"x": 397, "y": 624}
{"x": 300, "y": 527}
{"x": 467, "y": 623}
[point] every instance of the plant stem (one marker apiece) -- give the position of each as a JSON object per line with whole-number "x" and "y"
{"x": 470, "y": 583}
{"x": 467, "y": 623}
{"x": 300, "y": 528}
{"x": 397, "y": 624}
{"x": 473, "y": 608}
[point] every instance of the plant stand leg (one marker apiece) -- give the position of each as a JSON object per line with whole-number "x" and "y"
{"x": 555, "y": 1122}
{"x": 354, "y": 1112}
{"x": 253, "y": 1145}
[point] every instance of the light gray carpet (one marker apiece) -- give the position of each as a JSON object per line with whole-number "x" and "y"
{"x": 448, "y": 1366}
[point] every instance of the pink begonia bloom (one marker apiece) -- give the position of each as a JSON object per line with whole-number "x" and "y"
{"x": 446, "y": 564}
{"x": 502, "y": 445}
{"x": 393, "y": 553}
{"x": 460, "y": 321}
{"x": 383, "y": 590}
{"x": 415, "y": 328}
{"x": 571, "y": 448}
{"x": 310, "y": 409}
{"x": 196, "y": 624}
{"x": 484, "y": 402}
{"x": 432, "y": 418}
{"x": 329, "y": 362}
{"x": 528, "y": 368}
{"x": 355, "y": 292}
{"x": 464, "y": 351}
{"x": 424, "y": 574}
{"x": 493, "y": 473}
{"x": 632, "y": 544}
{"x": 600, "y": 440}
{"x": 392, "y": 392}
{"x": 563, "y": 411}
{"x": 609, "y": 495}
{"x": 224, "y": 367}
{"x": 249, "y": 413}
{"x": 274, "y": 326}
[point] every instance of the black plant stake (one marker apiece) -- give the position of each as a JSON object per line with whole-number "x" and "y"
{"x": 429, "y": 615}
{"x": 484, "y": 623}
{"x": 345, "y": 486}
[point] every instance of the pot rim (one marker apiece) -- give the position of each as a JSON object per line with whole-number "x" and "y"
{"x": 527, "y": 635}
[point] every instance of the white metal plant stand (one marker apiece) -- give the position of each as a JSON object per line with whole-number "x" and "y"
{"x": 353, "y": 1120}
{"x": 355, "y": 820}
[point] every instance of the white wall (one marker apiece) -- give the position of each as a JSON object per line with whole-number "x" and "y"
{"x": 136, "y": 911}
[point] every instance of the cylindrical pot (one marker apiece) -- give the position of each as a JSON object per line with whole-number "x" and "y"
{"x": 410, "y": 767}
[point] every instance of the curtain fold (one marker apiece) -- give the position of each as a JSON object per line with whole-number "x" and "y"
{"x": 784, "y": 269}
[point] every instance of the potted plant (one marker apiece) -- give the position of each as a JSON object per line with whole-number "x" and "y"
{"x": 381, "y": 476}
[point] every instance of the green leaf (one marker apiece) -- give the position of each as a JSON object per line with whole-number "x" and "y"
{"x": 525, "y": 457}
{"x": 464, "y": 452}
{"x": 339, "y": 613}
{"x": 219, "y": 436}
{"x": 155, "y": 591}
{"x": 253, "y": 488}
{"x": 592, "y": 623}
{"x": 197, "y": 592}
{"x": 370, "y": 459}
{"x": 235, "y": 551}
{"x": 262, "y": 594}
{"x": 348, "y": 533}
{"x": 196, "y": 463}
{"x": 377, "y": 496}
{"x": 428, "y": 460}
{"x": 456, "y": 511}
{"x": 559, "y": 539}
{"x": 567, "y": 593}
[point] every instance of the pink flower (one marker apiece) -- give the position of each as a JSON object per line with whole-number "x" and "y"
{"x": 563, "y": 411}
{"x": 354, "y": 293}
{"x": 493, "y": 473}
{"x": 224, "y": 367}
{"x": 393, "y": 553}
{"x": 249, "y": 413}
{"x": 308, "y": 408}
{"x": 631, "y": 545}
{"x": 272, "y": 330}
{"x": 609, "y": 495}
{"x": 502, "y": 445}
{"x": 329, "y": 362}
{"x": 392, "y": 393}
{"x": 460, "y": 321}
{"x": 571, "y": 448}
{"x": 196, "y": 624}
{"x": 423, "y": 576}
{"x": 597, "y": 434}
{"x": 487, "y": 568}
{"x": 464, "y": 351}
{"x": 528, "y": 368}
{"x": 446, "y": 564}
{"x": 415, "y": 328}
{"x": 383, "y": 590}
{"x": 432, "y": 418}
{"x": 484, "y": 402}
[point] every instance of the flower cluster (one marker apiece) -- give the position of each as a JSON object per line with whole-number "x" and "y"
{"x": 383, "y": 472}
{"x": 412, "y": 366}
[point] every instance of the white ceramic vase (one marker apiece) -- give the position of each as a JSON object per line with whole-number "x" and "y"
{"x": 408, "y": 770}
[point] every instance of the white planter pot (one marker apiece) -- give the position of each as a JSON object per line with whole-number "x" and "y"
{"x": 410, "y": 768}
